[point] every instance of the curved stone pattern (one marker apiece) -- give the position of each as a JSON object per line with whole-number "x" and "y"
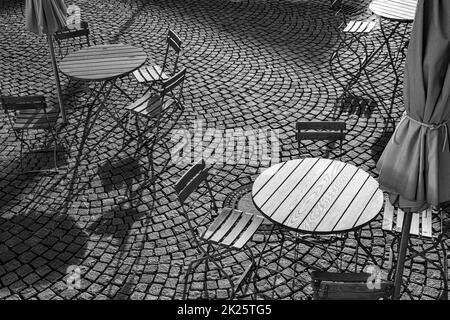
{"x": 251, "y": 64}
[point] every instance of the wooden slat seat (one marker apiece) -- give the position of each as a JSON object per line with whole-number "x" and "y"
{"x": 364, "y": 26}
{"x": 232, "y": 228}
{"x": 149, "y": 105}
{"x": 151, "y": 74}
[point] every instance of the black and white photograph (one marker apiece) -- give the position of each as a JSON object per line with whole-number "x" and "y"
{"x": 227, "y": 157}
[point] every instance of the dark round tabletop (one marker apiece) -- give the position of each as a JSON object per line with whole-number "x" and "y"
{"x": 317, "y": 196}
{"x": 102, "y": 62}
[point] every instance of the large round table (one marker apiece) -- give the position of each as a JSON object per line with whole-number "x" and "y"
{"x": 317, "y": 196}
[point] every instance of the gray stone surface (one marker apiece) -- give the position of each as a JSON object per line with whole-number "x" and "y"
{"x": 251, "y": 64}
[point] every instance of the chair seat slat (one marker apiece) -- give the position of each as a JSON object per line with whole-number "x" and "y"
{"x": 388, "y": 216}
{"x": 226, "y": 226}
{"x": 243, "y": 239}
{"x": 238, "y": 228}
{"x": 415, "y": 224}
{"x": 399, "y": 221}
{"x": 427, "y": 230}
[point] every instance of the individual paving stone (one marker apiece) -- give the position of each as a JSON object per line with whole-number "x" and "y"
{"x": 46, "y": 295}
{"x": 9, "y": 278}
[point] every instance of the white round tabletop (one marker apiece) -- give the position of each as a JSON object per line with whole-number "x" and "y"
{"x": 315, "y": 195}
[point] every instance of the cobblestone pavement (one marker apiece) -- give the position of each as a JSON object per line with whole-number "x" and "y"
{"x": 252, "y": 64}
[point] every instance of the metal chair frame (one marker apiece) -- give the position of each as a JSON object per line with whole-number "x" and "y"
{"x": 229, "y": 231}
{"x": 30, "y": 113}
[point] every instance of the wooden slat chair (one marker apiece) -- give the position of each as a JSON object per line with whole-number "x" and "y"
{"x": 329, "y": 131}
{"x": 151, "y": 74}
{"x": 152, "y": 106}
{"x": 229, "y": 231}
{"x": 150, "y": 110}
{"x": 421, "y": 227}
{"x": 353, "y": 35}
{"x": 349, "y": 286}
{"x": 72, "y": 36}
{"x": 30, "y": 113}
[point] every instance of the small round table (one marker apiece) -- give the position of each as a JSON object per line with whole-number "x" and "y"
{"x": 317, "y": 196}
{"x": 102, "y": 62}
{"x": 105, "y": 64}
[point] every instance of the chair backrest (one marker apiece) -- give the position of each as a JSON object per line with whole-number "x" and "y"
{"x": 13, "y": 104}
{"x": 421, "y": 224}
{"x": 23, "y": 112}
{"x": 330, "y": 131}
{"x": 176, "y": 81}
{"x": 191, "y": 180}
{"x": 173, "y": 43}
{"x": 349, "y": 286}
{"x": 74, "y": 33}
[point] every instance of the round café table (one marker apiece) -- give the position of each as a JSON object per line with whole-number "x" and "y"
{"x": 104, "y": 64}
{"x": 317, "y": 196}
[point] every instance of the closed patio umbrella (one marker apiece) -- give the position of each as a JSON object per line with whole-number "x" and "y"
{"x": 47, "y": 17}
{"x": 415, "y": 165}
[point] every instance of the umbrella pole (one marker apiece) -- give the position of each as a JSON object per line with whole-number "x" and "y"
{"x": 58, "y": 84}
{"x": 402, "y": 255}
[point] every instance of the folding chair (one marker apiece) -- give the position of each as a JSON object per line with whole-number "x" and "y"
{"x": 27, "y": 114}
{"x": 74, "y": 36}
{"x": 352, "y": 54}
{"x": 151, "y": 74}
{"x": 152, "y": 107}
{"x": 424, "y": 228}
{"x": 327, "y": 131}
{"x": 228, "y": 232}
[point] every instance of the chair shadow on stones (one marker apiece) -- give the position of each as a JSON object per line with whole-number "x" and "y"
{"x": 127, "y": 176}
{"x": 124, "y": 174}
{"x": 40, "y": 250}
{"x": 117, "y": 223}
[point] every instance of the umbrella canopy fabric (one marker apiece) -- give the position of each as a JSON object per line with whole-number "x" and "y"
{"x": 415, "y": 165}
{"x": 45, "y": 16}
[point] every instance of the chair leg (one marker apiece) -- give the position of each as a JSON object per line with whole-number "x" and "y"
{"x": 188, "y": 272}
